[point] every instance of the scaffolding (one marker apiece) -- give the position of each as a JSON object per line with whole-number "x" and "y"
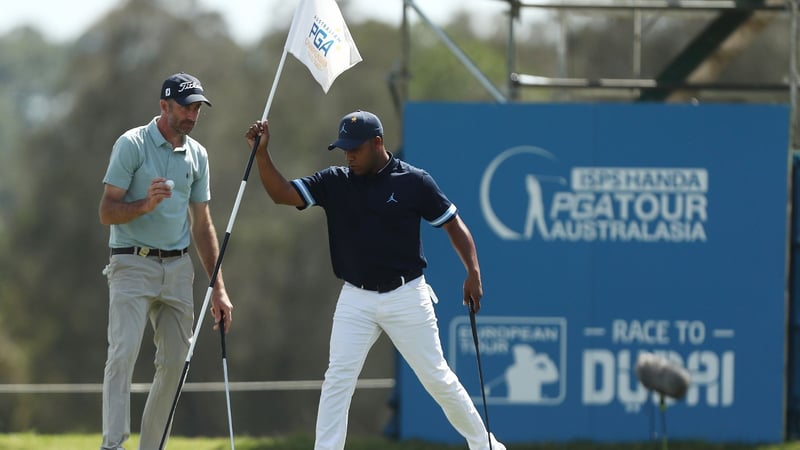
{"x": 733, "y": 24}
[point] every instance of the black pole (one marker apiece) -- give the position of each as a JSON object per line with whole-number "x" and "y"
{"x": 662, "y": 406}
{"x": 480, "y": 369}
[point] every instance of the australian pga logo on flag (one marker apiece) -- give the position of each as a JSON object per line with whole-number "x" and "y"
{"x": 523, "y": 358}
{"x": 319, "y": 38}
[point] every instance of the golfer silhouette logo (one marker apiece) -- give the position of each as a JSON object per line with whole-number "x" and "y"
{"x": 526, "y": 375}
{"x": 544, "y": 175}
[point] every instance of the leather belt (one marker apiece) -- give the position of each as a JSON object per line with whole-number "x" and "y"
{"x": 390, "y": 285}
{"x": 144, "y": 251}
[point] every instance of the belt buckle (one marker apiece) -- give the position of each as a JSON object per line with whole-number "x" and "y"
{"x": 143, "y": 251}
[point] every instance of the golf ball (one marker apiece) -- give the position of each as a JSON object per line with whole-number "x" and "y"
{"x": 170, "y": 184}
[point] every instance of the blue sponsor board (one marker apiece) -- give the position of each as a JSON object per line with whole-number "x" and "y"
{"x": 605, "y": 231}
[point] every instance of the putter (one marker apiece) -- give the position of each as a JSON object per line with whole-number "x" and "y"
{"x": 225, "y": 372}
{"x": 480, "y": 369}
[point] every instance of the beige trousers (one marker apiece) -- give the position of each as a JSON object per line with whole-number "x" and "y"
{"x": 142, "y": 288}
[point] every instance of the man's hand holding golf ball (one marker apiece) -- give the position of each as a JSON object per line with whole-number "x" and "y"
{"x": 160, "y": 188}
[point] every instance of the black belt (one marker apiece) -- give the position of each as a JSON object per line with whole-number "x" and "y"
{"x": 144, "y": 251}
{"x": 390, "y": 285}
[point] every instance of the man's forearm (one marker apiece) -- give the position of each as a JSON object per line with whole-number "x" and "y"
{"x": 205, "y": 240}
{"x": 115, "y": 213}
{"x": 464, "y": 245}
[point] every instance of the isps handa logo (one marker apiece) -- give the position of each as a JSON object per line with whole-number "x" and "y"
{"x": 526, "y": 194}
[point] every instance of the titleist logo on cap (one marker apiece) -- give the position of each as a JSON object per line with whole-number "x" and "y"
{"x": 184, "y": 86}
{"x": 189, "y": 85}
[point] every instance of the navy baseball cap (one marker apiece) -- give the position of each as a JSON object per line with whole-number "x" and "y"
{"x": 184, "y": 89}
{"x": 355, "y": 128}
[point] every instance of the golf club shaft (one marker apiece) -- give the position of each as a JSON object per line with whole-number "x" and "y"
{"x": 662, "y": 406}
{"x": 225, "y": 373}
{"x": 480, "y": 369}
{"x": 209, "y": 291}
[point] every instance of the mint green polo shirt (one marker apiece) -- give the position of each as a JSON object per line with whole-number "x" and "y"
{"x": 140, "y": 155}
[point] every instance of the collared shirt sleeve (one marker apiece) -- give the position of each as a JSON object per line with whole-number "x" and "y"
{"x": 315, "y": 189}
{"x": 201, "y": 184}
{"x": 304, "y": 192}
{"x": 125, "y": 160}
{"x": 435, "y": 207}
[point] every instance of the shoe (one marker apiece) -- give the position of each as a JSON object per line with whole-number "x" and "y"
{"x": 496, "y": 445}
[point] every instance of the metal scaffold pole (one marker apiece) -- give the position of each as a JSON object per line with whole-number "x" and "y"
{"x": 794, "y": 131}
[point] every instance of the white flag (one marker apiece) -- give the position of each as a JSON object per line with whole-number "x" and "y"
{"x": 319, "y": 38}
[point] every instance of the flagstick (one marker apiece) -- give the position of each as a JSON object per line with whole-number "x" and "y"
{"x": 274, "y": 86}
{"x": 222, "y": 248}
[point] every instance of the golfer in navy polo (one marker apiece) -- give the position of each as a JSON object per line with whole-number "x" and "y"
{"x": 374, "y": 207}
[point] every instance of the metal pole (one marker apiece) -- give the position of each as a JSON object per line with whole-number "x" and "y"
{"x": 225, "y": 374}
{"x": 794, "y": 130}
{"x": 406, "y": 56}
{"x": 694, "y": 5}
{"x": 637, "y": 43}
{"x": 513, "y": 14}
{"x": 498, "y": 96}
{"x": 563, "y": 36}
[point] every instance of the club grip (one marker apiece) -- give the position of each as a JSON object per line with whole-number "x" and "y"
{"x": 222, "y": 334}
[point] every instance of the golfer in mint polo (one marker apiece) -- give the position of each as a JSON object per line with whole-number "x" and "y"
{"x": 155, "y": 200}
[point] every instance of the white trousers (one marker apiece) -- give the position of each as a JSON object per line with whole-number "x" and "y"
{"x": 407, "y": 316}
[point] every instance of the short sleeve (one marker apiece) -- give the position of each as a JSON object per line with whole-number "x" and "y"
{"x": 124, "y": 161}
{"x": 435, "y": 207}
{"x": 201, "y": 186}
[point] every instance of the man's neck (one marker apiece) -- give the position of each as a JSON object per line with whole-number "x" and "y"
{"x": 177, "y": 140}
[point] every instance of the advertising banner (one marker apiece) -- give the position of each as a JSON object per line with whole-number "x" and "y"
{"x": 605, "y": 231}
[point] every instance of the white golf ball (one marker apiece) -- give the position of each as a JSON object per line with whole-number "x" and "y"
{"x": 170, "y": 184}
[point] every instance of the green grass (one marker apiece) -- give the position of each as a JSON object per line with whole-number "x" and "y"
{"x": 33, "y": 441}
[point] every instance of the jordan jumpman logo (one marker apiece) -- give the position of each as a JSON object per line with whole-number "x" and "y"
{"x": 391, "y": 199}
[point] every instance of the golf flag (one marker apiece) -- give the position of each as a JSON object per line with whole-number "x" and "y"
{"x": 320, "y": 40}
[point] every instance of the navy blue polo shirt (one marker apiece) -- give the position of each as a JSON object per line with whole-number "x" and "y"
{"x": 374, "y": 220}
